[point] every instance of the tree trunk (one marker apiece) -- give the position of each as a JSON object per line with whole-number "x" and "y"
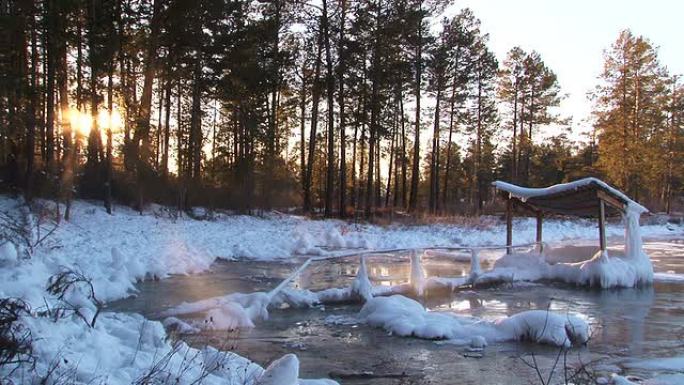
{"x": 374, "y": 103}
{"x": 167, "y": 129}
{"x": 94, "y": 139}
{"x": 302, "y": 128}
{"x": 415, "y": 170}
{"x": 404, "y": 158}
{"x": 196, "y": 137}
{"x": 514, "y": 163}
{"x": 316, "y": 95}
{"x": 343, "y": 139}
{"x": 391, "y": 162}
{"x": 33, "y": 104}
{"x": 478, "y": 162}
{"x": 434, "y": 166}
{"x": 141, "y": 137}
{"x": 50, "y": 18}
{"x": 447, "y": 168}
{"x": 330, "y": 85}
{"x": 110, "y": 110}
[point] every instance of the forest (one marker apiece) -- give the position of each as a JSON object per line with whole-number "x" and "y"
{"x": 341, "y": 108}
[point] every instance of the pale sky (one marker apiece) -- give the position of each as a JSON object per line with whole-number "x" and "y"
{"x": 571, "y": 36}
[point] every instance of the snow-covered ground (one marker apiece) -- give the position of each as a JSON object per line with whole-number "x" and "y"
{"x": 118, "y": 250}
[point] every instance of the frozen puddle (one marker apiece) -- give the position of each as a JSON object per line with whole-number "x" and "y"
{"x": 630, "y": 327}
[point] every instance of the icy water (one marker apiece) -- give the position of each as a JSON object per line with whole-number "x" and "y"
{"x": 627, "y": 324}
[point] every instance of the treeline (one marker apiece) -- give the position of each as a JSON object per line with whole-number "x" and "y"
{"x": 340, "y": 107}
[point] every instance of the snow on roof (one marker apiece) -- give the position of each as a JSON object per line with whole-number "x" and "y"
{"x": 527, "y": 193}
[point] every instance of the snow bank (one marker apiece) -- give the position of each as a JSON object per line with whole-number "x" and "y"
{"x": 115, "y": 252}
{"x": 118, "y": 250}
{"x": 124, "y": 348}
{"x": 8, "y": 253}
{"x": 405, "y": 317}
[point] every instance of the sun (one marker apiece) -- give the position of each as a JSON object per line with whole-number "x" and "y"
{"x": 82, "y": 122}
{"x": 106, "y": 120}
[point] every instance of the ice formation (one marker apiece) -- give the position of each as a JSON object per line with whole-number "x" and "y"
{"x": 605, "y": 271}
{"x": 405, "y": 317}
{"x": 634, "y": 269}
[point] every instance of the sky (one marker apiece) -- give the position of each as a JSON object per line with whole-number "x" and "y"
{"x": 571, "y": 36}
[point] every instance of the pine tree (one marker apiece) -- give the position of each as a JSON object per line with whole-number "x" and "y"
{"x": 629, "y": 112}
{"x": 510, "y": 92}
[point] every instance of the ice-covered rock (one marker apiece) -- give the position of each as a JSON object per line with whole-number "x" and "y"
{"x": 405, "y": 317}
{"x": 543, "y": 326}
{"x": 179, "y": 326}
{"x": 232, "y": 311}
{"x": 283, "y": 371}
{"x": 478, "y": 343}
{"x": 305, "y": 245}
{"x": 8, "y": 253}
{"x": 229, "y": 316}
{"x": 616, "y": 379}
{"x": 334, "y": 238}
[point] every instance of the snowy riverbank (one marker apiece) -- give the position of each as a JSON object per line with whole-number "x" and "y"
{"x": 116, "y": 251}
{"x": 119, "y": 249}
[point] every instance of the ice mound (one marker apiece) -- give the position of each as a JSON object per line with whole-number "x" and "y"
{"x": 285, "y": 371}
{"x": 545, "y": 327}
{"x": 405, "y": 317}
{"x": 8, "y": 253}
{"x": 232, "y": 311}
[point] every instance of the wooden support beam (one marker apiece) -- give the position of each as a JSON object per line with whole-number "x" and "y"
{"x": 602, "y": 224}
{"x": 525, "y": 205}
{"x": 509, "y": 226}
{"x": 540, "y": 217}
{"x": 611, "y": 200}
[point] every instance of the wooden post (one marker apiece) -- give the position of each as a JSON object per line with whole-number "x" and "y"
{"x": 540, "y": 217}
{"x": 509, "y": 225}
{"x": 602, "y": 224}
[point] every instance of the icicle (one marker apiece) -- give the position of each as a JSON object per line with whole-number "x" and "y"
{"x": 633, "y": 242}
{"x": 634, "y": 249}
{"x": 475, "y": 268}
{"x": 362, "y": 285}
{"x": 417, "y": 278}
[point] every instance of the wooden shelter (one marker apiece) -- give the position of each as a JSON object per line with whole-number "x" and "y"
{"x": 586, "y": 198}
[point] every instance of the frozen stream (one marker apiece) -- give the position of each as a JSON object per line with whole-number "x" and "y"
{"x": 628, "y": 324}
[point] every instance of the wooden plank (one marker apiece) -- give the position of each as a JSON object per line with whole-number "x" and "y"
{"x": 611, "y": 200}
{"x": 540, "y": 217}
{"x": 524, "y": 205}
{"x": 509, "y": 225}
{"x": 602, "y": 225}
